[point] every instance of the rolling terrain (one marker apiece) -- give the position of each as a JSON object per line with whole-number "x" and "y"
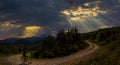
{"x": 82, "y": 55}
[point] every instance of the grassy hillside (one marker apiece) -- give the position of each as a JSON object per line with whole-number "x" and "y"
{"x": 104, "y": 36}
{"x": 109, "y": 42}
{"x": 109, "y": 54}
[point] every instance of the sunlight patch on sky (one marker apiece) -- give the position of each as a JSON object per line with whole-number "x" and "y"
{"x": 10, "y": 25}
{"x": 87, "y": 4}
{"x": 7, "y": 26}
{"x": 31, "y": 31}
{"x": 104, "y": 26}
{"x": 9, "y": 29}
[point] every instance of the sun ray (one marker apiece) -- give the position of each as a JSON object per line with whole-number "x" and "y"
{"x": 86, "y": 17}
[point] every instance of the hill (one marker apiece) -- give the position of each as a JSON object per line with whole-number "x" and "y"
{"x": 63, "y": 44}
{"x": 109, "y": 42}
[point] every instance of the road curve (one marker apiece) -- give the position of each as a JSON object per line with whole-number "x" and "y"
{"x": 57, "y": 61}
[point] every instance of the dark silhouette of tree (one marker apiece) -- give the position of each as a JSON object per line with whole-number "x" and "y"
{"x": 63, "y": 44}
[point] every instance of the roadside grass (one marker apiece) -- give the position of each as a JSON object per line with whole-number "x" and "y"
{"x": 108, "y": 54}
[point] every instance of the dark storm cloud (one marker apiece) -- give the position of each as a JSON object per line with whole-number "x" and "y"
{"x": 45, "y": 13}
{"x": 41, "y": 12}
{"x": 35, "y": 12}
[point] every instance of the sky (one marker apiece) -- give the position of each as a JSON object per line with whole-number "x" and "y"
{"x": 30, "y": 18}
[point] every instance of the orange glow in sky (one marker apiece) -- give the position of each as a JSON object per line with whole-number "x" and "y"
{"x": 31, "y": 31}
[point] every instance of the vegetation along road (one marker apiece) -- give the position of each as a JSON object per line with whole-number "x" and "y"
{"x": 57, "y": 61}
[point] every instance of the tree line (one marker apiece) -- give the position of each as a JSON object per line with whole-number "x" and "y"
{"x": 63, "y": 44}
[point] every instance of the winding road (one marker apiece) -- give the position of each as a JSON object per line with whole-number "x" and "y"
{"x": 15, "y": 60}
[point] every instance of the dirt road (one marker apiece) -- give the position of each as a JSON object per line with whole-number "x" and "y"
{"x": 57, "y": 61}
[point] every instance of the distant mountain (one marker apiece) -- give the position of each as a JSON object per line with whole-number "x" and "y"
{"x": 21, "y": 40}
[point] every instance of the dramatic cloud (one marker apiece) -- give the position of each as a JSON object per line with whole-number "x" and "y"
{"x": 47, "y": 15}
{"x": 10, "y": 29}
{"x": 9, "y": 25}
{"x": 80, "y": 13}
{"x": 81, "y": 17}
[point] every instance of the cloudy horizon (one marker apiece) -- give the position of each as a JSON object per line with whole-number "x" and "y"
{"x": 29, "y": 18}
